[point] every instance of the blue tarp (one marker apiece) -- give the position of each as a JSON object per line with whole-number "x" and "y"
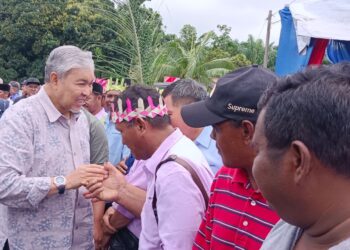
{"x": 338, "y": 51}
{"x": 288, "y": 59}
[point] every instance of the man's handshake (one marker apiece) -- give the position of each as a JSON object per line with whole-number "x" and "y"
{"x": 104, "y": 187}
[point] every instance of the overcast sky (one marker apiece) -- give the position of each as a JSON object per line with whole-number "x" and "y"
{"x": 244, "y": 16}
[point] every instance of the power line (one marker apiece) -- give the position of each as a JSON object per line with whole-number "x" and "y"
{"x": 262, "y": 28}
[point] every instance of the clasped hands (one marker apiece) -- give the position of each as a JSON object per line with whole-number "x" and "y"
{"x": 105, "y": 187}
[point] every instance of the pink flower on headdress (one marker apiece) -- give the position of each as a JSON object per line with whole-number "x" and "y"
{"x": 129, "y": 113}
{"x": 150, "y": 102}
{"x": 103, "y": 82}
{"x": 128, "y": 106}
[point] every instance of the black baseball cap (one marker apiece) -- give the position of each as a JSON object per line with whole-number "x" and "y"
{"x": 234, "y": 97}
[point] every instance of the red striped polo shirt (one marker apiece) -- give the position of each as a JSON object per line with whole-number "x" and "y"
{"x": 237, "y": 216}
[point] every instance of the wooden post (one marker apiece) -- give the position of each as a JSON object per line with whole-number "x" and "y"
{"x": 267, "y": 41}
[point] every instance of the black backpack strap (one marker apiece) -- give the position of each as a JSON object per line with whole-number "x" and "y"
{"x": 194, "y": 176}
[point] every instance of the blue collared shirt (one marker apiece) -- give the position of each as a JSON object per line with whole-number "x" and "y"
{"x": 15, "y": 96}
{"x": 117, "y": 150}
{"x": 208, "y": 147}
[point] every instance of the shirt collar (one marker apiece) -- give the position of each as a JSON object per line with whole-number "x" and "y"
{"x": 101, "y": 114}
{"x": 240, "y": 176}
{"x": 204, "y": 138}
{"x": 52, "y": 112}
{"x": 108, "y": 120}
{"x": 162, "y": 150}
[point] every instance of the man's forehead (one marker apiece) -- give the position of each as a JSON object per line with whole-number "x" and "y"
{"x": 168, "y": 101}
{"x": 113, "y": 93}
{"x": 221, "y": 124}
{"x": 121, "y": 125}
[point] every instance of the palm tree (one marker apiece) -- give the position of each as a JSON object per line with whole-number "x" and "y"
{"x": 138, "y": 31}
{"x": 191, "y": 62}
{"x": 141, "y": 53}
{"x": 254, "y": 50}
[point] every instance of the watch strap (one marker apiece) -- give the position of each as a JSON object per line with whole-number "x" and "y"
{"x": 61, "y": 189}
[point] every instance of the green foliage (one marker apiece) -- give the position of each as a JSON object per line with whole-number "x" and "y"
{"x": 126, "y": 39}
{"x": 224, "y": 42}
{"x": 138, "y": 33}
{"x": 188, "y": 36}
{"x": 188, "y": 58}
{"x": 30, "y": 29}
{"x": 208, "y": 57}
{"x": 240, "y": 60}
{"x": 253, "y": 49}
{"x": 272, "y": 57}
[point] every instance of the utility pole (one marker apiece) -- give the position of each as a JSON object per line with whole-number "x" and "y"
{"x": 267, "y": 41}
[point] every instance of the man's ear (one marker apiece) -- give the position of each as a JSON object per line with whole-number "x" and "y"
{"x": 140, "y": 125}
{"x": 301, "y": 160}
{"x": 248, "y": 129}
{"x": 54, "y": 79}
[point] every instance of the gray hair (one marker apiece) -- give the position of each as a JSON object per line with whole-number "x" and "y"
{"x": 65, "y": 58}
{"x": 15, "y": 84}
{"x": 187, "y": 91}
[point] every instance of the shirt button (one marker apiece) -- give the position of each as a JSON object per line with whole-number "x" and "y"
{"x": 76, "y": 228}
{"x": 253, "y": 203}
{"x": 245, "y": 223}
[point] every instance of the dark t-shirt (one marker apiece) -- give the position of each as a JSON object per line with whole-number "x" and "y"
{"x": 4, "y": 104}
{"x": 98, "y": 140}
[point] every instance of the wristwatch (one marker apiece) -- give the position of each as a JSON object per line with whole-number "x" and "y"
{"x": 60, "y": 182}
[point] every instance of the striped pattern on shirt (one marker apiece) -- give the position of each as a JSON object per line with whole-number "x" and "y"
{"x": 237, "y": 217}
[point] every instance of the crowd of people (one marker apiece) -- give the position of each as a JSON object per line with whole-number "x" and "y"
{"x": 261, "y": 162}
{"x": 13, "y": 92}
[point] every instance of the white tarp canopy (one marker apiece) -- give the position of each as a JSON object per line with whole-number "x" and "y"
{"x": 329, "y": 19}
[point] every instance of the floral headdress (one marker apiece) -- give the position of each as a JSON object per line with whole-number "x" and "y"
{"x": 103, "y": 82}
{"x": 117, "y": 85}
{"x": 140, "y": 112}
